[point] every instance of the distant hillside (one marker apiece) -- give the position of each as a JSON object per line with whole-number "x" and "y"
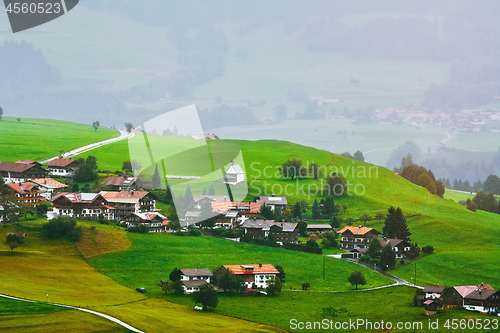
{"x": 40, "y": 139}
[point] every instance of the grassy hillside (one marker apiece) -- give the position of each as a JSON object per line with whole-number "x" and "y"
{"x": 58, "y": 269}
{"x": 19, "y": 316}
{"x": 40, "y": 139}
{"x": 155, "y": 256}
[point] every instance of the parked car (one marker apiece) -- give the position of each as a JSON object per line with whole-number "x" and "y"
{"x": 141, "y": 290}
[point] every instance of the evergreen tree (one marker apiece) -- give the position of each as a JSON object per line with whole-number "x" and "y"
{"x": 316, "y": 210}
{"x": 387, "y": 257}
{"x": 374, "y": 248}
{"x": 156, "y": 181}
{"x": 297, "y": 211}
{"x": 188, "y": 198}
{"x": 329, "y": 206}
{"x": 334, "y": 222}
{"x": 395, "y": 225}
{"x": 211, "y": 190}
{"x": 266, "y": 212}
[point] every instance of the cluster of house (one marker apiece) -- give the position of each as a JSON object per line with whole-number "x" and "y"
{"x": 465, "y": 120}
{"x": 482, "y": 298}
{"x": 254, "y": 276}
{"x": 355, "y": 241}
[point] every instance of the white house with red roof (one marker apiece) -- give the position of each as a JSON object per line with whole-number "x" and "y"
{"x": 81, "y": 205}
{"x": 354, "y": 238}
{"x": 482, "y": 298}
{"x": 256, "y": 276}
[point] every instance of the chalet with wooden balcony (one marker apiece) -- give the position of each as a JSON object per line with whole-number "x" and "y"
{"x": 25, "y": 193}
{"x": 482, "y": 298}
{"x": 62, "y": 167}
{"x": 21, "y": 171}
{"x": 357, "y": 237}
{"x": 254, "y": 276}
{"x": 283, "y": 232}
{"x": 128, "y": 202}
{"x": 155, "y": 221}
{"x": 82, "y": 205}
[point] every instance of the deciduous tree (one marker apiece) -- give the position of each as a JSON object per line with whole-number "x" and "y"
{"x": 274, "y": 286}
{"x": 357, "y": 278}
{"x": 96, "y": 125}
{"x": 207, "y": 296}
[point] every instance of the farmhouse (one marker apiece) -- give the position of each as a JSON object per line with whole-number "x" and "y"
{"x": 25, "y": 193}
{"x": 254, "y": 276}
{"x": 401, "y": 247}
{"x": 121, "y": 183}
{"x": 61, "y": 167}
{"x": 234, "y": 174}
{"x": 274, "y": 202}
{"x": 481, "y": 298}
{"x": 357, "y": 237}
{"x": 48, "y": 186}
{"x": 433, "y": 292}
{"x": 155, "y": 221}
{"x": 84, "y": 205}
{"x": 21, "y": 172}
{"x": 193, "y": 279}
{"x": 126, "y": 202}
{"x": 283, "y": 232}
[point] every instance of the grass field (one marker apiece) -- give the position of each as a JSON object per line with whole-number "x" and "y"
{"x": 154, "y": 256}
{"x": 102, "y": 240}
{"x": 17, "y": 140}
{"x": 457, "y": 196}
{"x": 19, "y": 316}
{"x": 393, "y": 304}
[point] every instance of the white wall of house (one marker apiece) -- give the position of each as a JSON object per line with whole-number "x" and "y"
{"x": 432, "y": 295}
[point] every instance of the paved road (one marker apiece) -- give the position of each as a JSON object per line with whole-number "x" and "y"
{"x": 113, "y": 319}
{"x": 123, "y": 135}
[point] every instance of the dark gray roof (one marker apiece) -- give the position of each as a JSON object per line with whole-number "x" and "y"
{"x": 258, "y": 224}
{"x": 196, "y": 272}
{"x": 434, "y": 289}
{"x": 194, "y": 283}
{"x": 272, "y": 200}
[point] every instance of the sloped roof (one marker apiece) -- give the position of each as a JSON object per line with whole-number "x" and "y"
{"x": 319, "y": 226}
{"x": 254, "y": 207}
{"x": 357, "y": 230}
{"x": 194, "y": 283}
{"x": 466, "y": 290}
{"x": 60, "y": 162}
{"x": 77, "y": 197}
{"x": 393, "y": 241}
{"x": 119, "y": 181}
{"x": 429, "y": 301}
{"x": 18, "y": 167}
{"x": 149, "y": 216}
{"x": 255, "y": 269}
{"x": 196, "y": 272}
{"x": 235, "y": 169}
{"x": 29, "y": 162}
{"x": 22, "y": 188}
{"x": 258, "y": 224}
{"x": 214, "y": 198}
{"x": 123, "y": 196}
{"x": 48, "y": 182}
{"x": 481, "y": 294}
{"x": 272, "y": 200}
{"x": 434, "y": 289}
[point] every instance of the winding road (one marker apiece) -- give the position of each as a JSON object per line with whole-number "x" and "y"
{"x": 123, "y": 135}
{"x": 113, "y": 319}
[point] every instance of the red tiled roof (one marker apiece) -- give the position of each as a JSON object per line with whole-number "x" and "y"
{"x": 257, "y": 269}
{"x": 224, "y": 206}
{"x": 60, "y": 162}
{"x": 356, "y": 230}
{"x": 124, "y": 196}
{"x": 49, "y": 181}
{"x": 466, "y": 290}
{"x": 22, "y": 188}
{"x": 77, "y": 197}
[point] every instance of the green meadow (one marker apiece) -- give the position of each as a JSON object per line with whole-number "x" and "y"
{"x": 40, "y": 139}
{"x": 155, "y": 256}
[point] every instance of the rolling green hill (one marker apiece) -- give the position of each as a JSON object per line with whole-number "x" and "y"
{"x": 442, "y": 223}
{"x": 40, "y": 139}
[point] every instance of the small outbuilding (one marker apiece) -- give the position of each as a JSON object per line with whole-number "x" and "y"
{"x": 430, "y": 307}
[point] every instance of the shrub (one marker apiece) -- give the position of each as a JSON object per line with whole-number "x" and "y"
{"x": 62, "y": 226}
{"x": 428, "y": 249}
{"x": 306, "y": 285}
{"x": 140, "y": 229}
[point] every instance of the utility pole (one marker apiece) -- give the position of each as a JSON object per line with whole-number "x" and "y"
{"x": 323, "y": 266}
{"x": 415, "y": 273}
